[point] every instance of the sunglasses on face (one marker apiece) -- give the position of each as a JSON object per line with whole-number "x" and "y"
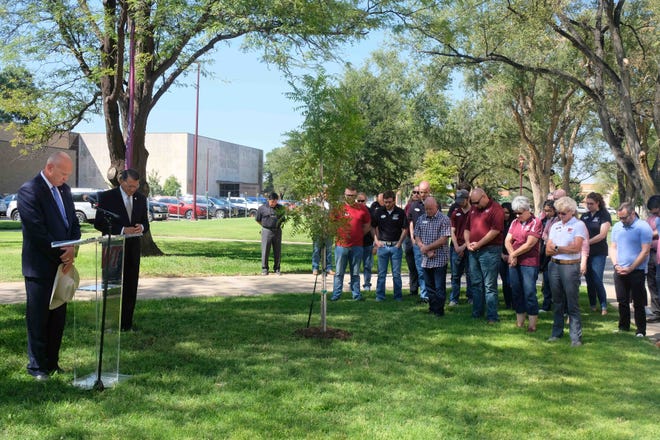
{"x": 361, "y": 201}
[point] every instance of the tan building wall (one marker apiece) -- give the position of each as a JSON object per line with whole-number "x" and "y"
{"x": 20, "y": 164}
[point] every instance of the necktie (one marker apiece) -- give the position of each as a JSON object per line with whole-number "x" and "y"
{"x": 60, "y": 205}
{"x": 129, "y": 207}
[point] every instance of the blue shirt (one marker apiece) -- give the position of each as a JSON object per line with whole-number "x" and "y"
{"x": 629, "y": 241}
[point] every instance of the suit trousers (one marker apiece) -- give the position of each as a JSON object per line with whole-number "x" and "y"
{"x": 271, "y": 237}
{"x": 130, "y": 283}
{"x": 44, "y": 327}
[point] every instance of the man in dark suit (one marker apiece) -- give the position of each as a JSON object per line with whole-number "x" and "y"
{"x": 131, "y": 209}
{"x": 47, "y": 214}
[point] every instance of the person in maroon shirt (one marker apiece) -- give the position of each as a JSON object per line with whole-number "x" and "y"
{"x": 522, "y": 243}
{"x": 484, "y": 238}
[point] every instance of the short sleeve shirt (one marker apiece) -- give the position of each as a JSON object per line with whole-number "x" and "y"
{"x": 390, "y": 224}
{"x": 482, "y": 221}
{"x": 519, "y": 234}
{"x": 563, "y": 234}
{"x": 593, "y": 222}
{"x": 350, "y": 232}
{"x": 429, "y": 229}
{"x": 629, "y": 241}
{"x": 458, "y": 222}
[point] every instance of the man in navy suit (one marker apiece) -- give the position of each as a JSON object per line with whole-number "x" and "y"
{"x": 132, "y": 218}
{"x": 47, "y": 214}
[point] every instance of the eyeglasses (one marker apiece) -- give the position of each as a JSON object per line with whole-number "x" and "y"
{"x": 623, "y": 218}
{"x": 361, "y": 201}
{"x": 476, "y": 202}
{"x": 519, "y": 213}
{"x": 563, "y": 213}
{"x": 415, "y": 192}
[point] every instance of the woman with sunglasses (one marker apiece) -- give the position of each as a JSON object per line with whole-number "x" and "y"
{"x": 564, "y": 247}
{"x": 522, "y": 244}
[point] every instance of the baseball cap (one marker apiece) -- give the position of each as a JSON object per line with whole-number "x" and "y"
{"x": 462, "y": 195}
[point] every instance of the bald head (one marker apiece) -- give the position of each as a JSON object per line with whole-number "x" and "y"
{"x": 424, "y": 189}
{"x": 479, "y": 198}
{"x": 430, "y": 206}
{"x": 558, "y": 194}
{"x": 59, "y": 167}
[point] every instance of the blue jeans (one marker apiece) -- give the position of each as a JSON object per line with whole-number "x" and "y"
{"x": 565, "y": 285}
{"x": 594, "y": 277}
{"x": 385, "y": 255}
{"x": 523, "y": 289}
{"x": 484, "y": 268}
{"x": 343, "y": 257}
{"x": 367, "y": 263}
{"x": 506, "y": 284}
{"x": 459, "y": 266}
{"x": 423, "y": 294}
{"x": 436, "y": 283}
{"x": 316, "y": 255}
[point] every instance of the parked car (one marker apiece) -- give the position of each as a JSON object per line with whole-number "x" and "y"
{"x": 157, "y": 210}
{"x": 238, "y": 208}
{"x": 222, "y": 208}
{"x": 3, "y": 205}
{"x": 178, "y": 208}
{"x": 85, "y": 211}
{"x": 250, "y": 207}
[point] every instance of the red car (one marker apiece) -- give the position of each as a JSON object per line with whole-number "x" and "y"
{"x": 178, "y": 208}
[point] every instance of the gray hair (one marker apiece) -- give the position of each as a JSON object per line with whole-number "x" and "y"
{"x": 564, "y": 204}
{"x": 520, "y": 203}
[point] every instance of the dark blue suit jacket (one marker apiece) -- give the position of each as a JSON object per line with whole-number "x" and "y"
{"x": 112, "y": 201}
{"x": 43, "y": 224}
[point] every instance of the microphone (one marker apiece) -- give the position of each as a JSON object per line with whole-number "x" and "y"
{"x": 91, "y": 198}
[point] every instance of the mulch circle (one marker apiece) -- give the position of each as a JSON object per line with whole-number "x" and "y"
{"x": 329, "y": 333}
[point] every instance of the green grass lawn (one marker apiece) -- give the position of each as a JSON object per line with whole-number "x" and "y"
{"x": 233, "y": 368}
{"x": 218, "y": 368}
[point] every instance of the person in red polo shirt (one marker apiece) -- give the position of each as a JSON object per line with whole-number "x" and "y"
{"x": 484, "y": 238}
{"x": 355, "y": 222}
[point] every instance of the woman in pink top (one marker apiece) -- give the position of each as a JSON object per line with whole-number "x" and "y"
{"x": 522, "y": 243}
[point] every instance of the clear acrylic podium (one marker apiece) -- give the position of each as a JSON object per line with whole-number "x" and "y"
{"x": 96, "y": 330}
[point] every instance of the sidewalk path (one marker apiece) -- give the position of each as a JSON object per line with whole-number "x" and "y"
{"x": 253, "y": 285}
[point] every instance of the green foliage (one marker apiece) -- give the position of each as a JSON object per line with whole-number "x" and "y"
{"x": 438, "y": 173}
{"x": 153, "y": 179}
{"x": 171, "y": 186}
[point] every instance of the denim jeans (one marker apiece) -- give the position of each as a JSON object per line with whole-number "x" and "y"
{"x": 565, "y": 285}
{"x": 418, "y": 262}
{"x": 459, "y": 266}
{"x": 594, "y": 277}
{"x": 367, "y": 263}
{"x": 506, "y": 284}
{"x": 436, "y": 283}
{"x": 484, "y": 268}
{"x": 316, "y": 255}
{"x": 523, "y": 289}
{"x": 385, "y": 255}
{"x": 352, "y": 257}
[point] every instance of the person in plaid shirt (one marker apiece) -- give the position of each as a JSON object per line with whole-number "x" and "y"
{"x": 432, "y": 232}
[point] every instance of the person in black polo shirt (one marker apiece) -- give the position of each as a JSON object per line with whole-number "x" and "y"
{"x": 390, "y": 225}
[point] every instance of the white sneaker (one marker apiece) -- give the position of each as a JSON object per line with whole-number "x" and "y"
{"x": 453, "y": 303}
